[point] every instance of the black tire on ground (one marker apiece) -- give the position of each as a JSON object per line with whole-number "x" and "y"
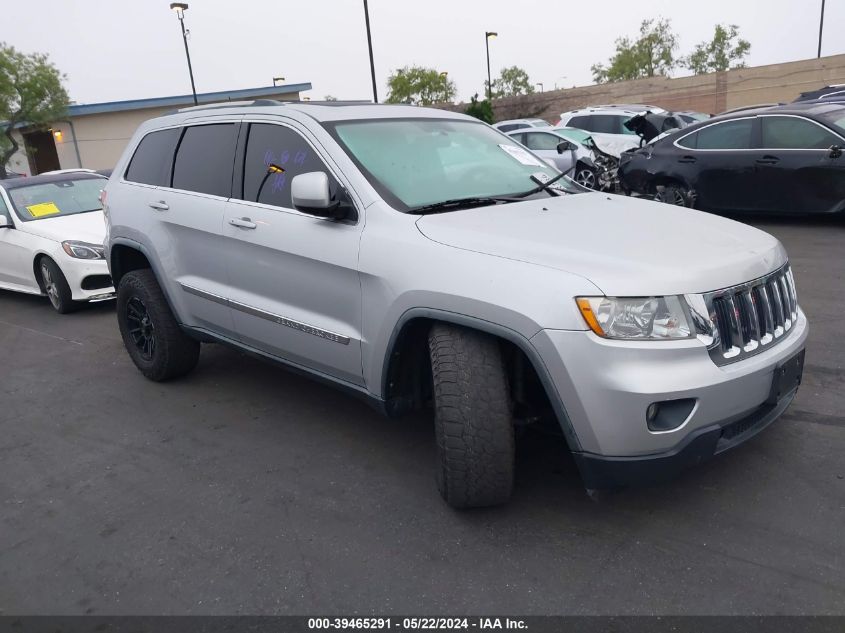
{"x": 473, "y": 422}
{"x": 672, "y": 194}
{"x": 153, "y": 338}
{"x": 55, "y": 286}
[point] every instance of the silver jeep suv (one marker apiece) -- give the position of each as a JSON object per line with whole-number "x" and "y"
{"x": 416, "y": 258}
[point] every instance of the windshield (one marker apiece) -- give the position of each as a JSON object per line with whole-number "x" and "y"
{"x": 836, "y": 119}
{"x": 55, "y": 199}
{"x": 418, "y": 162}
{"x": 573, "y": 134}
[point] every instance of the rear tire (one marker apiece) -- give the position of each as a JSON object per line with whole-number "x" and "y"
{"x": 155, "y": 342}
{"x": 672, "y": 194}
{"x": 55, "y": 286}
{"x": 472, "y": 420}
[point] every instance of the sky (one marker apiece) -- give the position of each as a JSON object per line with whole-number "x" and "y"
{"x": 129, "y": 49}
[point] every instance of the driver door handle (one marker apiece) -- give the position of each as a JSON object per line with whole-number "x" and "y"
{"x": 768, "y": 160}
{"x": 243, "y": 223}
{"x": 687, "y": 159}
{"x": 159, "y": 205}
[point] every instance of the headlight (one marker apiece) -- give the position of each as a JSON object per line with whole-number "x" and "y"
{"x": 83, "y": 250}
{"x": 641, "y": 318}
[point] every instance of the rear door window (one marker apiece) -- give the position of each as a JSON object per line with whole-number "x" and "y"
{"x": 789, "y": 132}
{"x": 275, "y": 154}
{"x": 581, "y": 122}
{"x": 608, "y": 124}
{"x": 728, "y": 135}
{"x": 205, "y": 159}
{"x": 153, "y": 159}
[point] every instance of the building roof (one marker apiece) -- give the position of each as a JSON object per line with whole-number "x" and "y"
{"x": 185, "y": 100}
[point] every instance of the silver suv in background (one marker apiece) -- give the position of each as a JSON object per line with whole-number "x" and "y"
{"x": 420, "y": 258}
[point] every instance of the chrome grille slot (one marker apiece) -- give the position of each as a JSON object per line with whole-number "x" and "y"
{"x": 752, "y": 317}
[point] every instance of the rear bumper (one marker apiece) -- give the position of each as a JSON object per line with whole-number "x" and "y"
{"x": 602, "y": 473}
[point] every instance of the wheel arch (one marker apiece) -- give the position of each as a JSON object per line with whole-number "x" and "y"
{"x": 408, "y": 342}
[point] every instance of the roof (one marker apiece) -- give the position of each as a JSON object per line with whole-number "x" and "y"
{"x": 184, "y": 100}
{"x": 811, "y": 108}
{"x": 322, "y": 111}
{"x": 17, "y": 183}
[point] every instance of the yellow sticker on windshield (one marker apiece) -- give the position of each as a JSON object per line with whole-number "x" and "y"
{"x": 45, "y": 208}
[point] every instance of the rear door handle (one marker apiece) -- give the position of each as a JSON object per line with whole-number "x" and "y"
{"x": 159, "y": 205}
{"x": 768, "y": 160}
{"x": 243, "y": 223}
{"x": 687, "y": 159}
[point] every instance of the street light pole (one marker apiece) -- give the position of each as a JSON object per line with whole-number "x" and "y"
{"x": 180, "y": 8}
{"x": 487, "y": 36}
{"x": 370, "y": 46}
{"x": 821, "y": 29}
{"x": 275, "y": 79}
{"x": 541, "y": 86}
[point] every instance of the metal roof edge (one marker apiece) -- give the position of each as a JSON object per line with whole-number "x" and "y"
{"x": 188, "y": 99}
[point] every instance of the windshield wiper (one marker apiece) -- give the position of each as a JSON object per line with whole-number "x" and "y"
{"x": 456, "y": 203}
{"x": 542, "y": 186}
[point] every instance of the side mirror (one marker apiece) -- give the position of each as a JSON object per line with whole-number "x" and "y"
{"x": 6, "y": 222}
{"x": 835, "y": 151}
{"x": 310, "y": 194}
{"x": 565, "y": 146}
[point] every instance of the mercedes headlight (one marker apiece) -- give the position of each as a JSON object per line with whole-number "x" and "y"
{"x": 83, "y": 250}
{"x": 639, "y": 318}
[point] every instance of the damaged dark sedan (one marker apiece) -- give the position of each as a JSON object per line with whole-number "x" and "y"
{"x": 784, "y": 159}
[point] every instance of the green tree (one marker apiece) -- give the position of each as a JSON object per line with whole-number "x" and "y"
{"x": 31, "y": 93}
{"x": 511, "y": 82}
{"x": 652, "y": 53}
{"x": 419, "y": 86}
{"x": 480, "y": 109}
{"x": 726, "y": 50}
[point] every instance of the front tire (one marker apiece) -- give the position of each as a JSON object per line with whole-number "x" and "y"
{"x": 155, "y": 342}
{"x": 472, "y": 420}
{"x": 586, "y": 176}
{"x": 55, "y": 286}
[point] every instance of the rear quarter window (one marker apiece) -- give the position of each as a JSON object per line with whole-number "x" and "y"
{"x": 152, "y": 161}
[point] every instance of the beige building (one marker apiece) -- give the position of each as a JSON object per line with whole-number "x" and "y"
{"x": 94, "y": 135}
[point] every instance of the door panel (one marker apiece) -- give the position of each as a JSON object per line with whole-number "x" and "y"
{"x": 186, "y": 223}
{"x": 724, "y": 162}
{"x": 797, "y": 172}
{"x": 294, "y": 289}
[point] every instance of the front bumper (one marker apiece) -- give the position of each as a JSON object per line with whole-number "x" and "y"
{"x": 606, "y": 386}
{"x": 86, "y": 277}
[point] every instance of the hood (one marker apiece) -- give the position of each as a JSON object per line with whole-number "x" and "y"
{"x": 85, "y": 227}
{"x": 615, "y": 144}
{"x": 625, "y": 246}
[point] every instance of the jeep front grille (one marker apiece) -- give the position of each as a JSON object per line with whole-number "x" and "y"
{"x": 752, "y": 317}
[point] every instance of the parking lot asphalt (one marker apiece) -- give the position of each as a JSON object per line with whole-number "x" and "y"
{"x": 244, "y": 489}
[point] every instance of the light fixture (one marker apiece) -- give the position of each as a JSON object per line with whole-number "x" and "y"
{"x": 179, "y": 7}
{"x": 487, "y": 36}
{"x": 275, "y": 79}
{"x": 57, "y": 134}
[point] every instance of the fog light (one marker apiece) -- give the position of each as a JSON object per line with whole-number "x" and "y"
{"x": 668, "y": 415}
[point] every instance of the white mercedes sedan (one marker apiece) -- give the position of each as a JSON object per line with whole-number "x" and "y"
{"x": 51, "y": 238}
